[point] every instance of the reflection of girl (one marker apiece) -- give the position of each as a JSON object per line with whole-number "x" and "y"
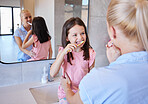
{"x": 20, "y": 34}
{"x": 40, "y": 40}
{"x": 75, "y": 56}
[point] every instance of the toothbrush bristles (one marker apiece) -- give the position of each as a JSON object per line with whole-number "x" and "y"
{"x": 80, "y": 43}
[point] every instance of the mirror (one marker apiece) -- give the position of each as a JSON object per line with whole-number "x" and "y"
{"x": 55, "y": 16}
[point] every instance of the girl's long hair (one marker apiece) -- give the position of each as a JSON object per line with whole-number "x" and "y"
{"x": 65, "y": 31}
{"x": 132, "y": 17}
{"x": 39, "y": 28}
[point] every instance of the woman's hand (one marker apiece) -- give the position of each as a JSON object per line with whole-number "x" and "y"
{"x": 112, "y": 52}
{"x": 66, "y": 83}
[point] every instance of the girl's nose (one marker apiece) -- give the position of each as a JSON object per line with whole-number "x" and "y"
{"x": 79, "y": 36}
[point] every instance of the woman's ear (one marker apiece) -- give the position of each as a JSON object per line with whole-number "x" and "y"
{"x": 113, "y": 32}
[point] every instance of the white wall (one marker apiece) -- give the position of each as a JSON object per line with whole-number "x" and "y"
{"x": 10, "y": 3}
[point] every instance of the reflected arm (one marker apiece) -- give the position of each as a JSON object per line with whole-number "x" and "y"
{"x": 19, "y": 43}
{"x": 50, "y": 51}
{"x": 26, "y": 42}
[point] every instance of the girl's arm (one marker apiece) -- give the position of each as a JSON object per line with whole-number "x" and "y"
{"x": 50, "y": 51}
{"x": 55, "y": 67}
{"x": 26, "y": 42}
{"x": 19, "y": 43}
{"x": 92, "y": 66}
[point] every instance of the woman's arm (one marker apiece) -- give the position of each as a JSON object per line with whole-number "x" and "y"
{"x": 26, "y": 42}
{"x": 72, "y": 98}
{"x": 19, "y": 43}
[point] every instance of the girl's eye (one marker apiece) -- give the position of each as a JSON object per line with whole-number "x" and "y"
{"x": 75, "y": 35}
{"x": 82, "y": 33}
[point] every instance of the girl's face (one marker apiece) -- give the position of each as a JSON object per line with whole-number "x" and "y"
{"x": 25, "y": 18}
{"x": 76, "y": 35}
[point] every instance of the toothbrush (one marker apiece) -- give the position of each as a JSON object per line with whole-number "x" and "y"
{"x": 29, "y": 23}
{"x": 78, "y": 45}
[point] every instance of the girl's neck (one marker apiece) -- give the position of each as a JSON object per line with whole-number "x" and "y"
{"x": 78, "y": 50}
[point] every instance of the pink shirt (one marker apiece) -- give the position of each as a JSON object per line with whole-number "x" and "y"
{"x": 40, "y": 49}
{"x": 77, "y": 70}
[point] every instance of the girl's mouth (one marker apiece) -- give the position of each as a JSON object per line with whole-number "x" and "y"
{"x": 79, "y": 43}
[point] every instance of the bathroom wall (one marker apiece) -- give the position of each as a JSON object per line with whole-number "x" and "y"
{"x": 98, "y": 31}
{"x": 13, "y": 74}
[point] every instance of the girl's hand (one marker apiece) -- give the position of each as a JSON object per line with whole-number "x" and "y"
{"x": 112, "y": 52}
{"x": 29, "y": 32}
{"x": 69, "y": 48}
{"x": 32, "y": 54}
{"x": 66, "y": 82}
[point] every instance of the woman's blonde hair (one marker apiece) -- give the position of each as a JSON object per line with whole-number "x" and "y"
{"x": 24, "y": 11}
{"x": 132, "y": 17}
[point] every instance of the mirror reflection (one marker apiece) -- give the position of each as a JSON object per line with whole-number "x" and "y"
{"x": 9, "y": 47}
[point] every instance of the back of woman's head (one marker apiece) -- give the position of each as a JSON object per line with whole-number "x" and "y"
{"x": 39, "y": 28}
{"x": 132, "y": 18}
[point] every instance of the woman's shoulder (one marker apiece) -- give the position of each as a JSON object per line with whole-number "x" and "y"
{"x": 108, "y": 76}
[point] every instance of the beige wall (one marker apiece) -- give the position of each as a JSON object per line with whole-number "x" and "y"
{"x": 29, "y": 4}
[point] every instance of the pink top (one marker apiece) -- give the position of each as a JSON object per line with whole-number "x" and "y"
{"x": 40, "y": 49}
{"x": 77, "y": 70}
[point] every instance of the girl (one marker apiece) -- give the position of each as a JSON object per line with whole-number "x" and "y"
{"x": 75, "y": 56}
{"x": 40, "y": 39}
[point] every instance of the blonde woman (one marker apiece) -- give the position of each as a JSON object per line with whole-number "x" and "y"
{"x": 125, "y": 80}
{"x": 20, "y": 34}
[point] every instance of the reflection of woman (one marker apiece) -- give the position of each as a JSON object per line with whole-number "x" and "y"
{"x": 125, "y": 80}
{"x": 40, "y": 39}
{"x": 20, "y": 34}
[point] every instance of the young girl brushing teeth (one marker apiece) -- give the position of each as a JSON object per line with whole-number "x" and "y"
{"x": 76, "y": 57}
